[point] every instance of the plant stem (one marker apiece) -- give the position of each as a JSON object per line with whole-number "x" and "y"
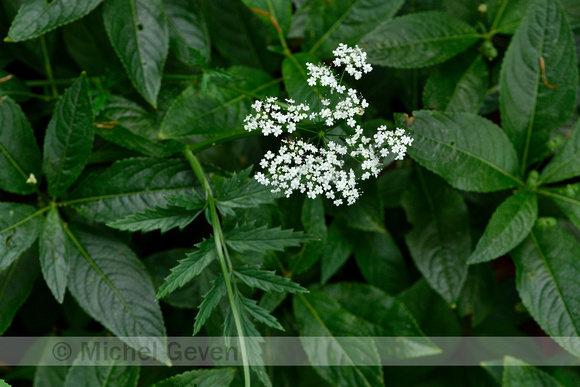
{"x": 48, "y": 67}
{"x": 219, "y": 239}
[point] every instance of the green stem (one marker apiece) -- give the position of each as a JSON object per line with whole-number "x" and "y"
{"x": 29, "y": 95}
{"x": 221, "y": 250}
{"x": 48, "y": 67}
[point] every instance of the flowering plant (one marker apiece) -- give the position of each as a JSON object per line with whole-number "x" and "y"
{"x": 318, "y": 169}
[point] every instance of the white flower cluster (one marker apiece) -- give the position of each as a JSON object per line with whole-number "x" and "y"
{"x": 304, "y": 167}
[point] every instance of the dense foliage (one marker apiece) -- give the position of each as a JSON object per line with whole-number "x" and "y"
{"x": 128, "y": 205}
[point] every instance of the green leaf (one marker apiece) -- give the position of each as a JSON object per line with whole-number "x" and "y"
{"x": 505, "y": 16}
{"x": 19, "y": 153}
{"x": 433, "y": 314}
{"x": 239, "y": 35}
{"x": 111, "y": 284}
{"x": 263, "y": 239}
{"x": 268, "y": 281}
{"x": 381, "y": 262}
{"x": 338, "y": 247}
{"x": 273, "y": 11}
{"x": 115, "y": 373}
{"x": 459, "y": 86}
{"x": 319, "y": 315}
{"x": 190, "y": 267}
{"x": 387, "y": 317}
{"x": 69, "y": 138}
{"x": 518, "y": 373}
{"x": 566, "y": 163}
{"x": 573, "y": 12}
{"x": 19, "y": 227}
{"x": 13, "y": 87}
{"x": 219, "y": 110}
{"x": 509, "y": 225}
{"x": 16, "y": 285}
{"x": 332, "y": 22}
{"x": 295, "y": 76}
{"x": 37, "y": 17}
{"x": 54, "y": 256}
{"x": 479, "y": 293}
{"x": 567, "y": 199}
{"x": 534, "y": 101}
{"x": 188, "y": 35}
{"x": 440, "y": 241}
{"x": 210, "y": 300}
{"x": 3, "y": 383}
{"x": 481, "y": 159}
{"x": 88, "y": 45}
{"x": 127, "y": 124}
{"x": 365, "y": 215}
{"x": 130, "y": 186}
{"x": 314, "y": 223}
{"x": 391, "y": 185}
{"x": 240, "y": 191}
{"x": 216, "y": 377}
{"x": 259, "y": 313}
{"x": 547, "y": 270}
{"x": 163, "y": 219}
{"x": 418, "y": 40}
{"x": 139, "y": 34}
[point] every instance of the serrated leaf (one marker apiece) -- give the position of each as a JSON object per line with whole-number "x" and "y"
{"x": 219, "y": 110}
{"x": 418, "y": 40}
{"x": 116, "y": 373}
{"x": 387, "y": 317}
{"x": 460, "y": 86}
{"x": 189, "y": 267}
{"x": 504, "y": 16}
{"x": 240, "y": 191}
{"x": 321, "y": 316}
{"x": 518, "y": 373}
{"x": 338, "y": 247}
{"x": 216, "y": 377}
{"x": 509, "y": 225}
{"x": 246, "y": 238}
{"x": 533, "y": 101}
{"x": 130, "y": 186}
{"x": 239, "y": 35}
{"x": 163, "y": 219}
{"x": 344, "y": 21}
{"x": 69, "y": 138}
{"x": 188, "y": 35}
{"x": 479, "y": 293}
{"x": 189, "y": 202}
{"x": 295, "y": 76}
{"x": 259, "y": 313}
{"x": 210, "y": 300}
{"x": 480, "y": 159}
{"x": 19, "y": 227}
{"x": 139, "y": 34}
{"x": 111, "y": 284}
{"x": 381, "y": 262}
{"x": 37, "y": 17}
{"x": 54, "y": 259}
{"x": 568, "y": 200}
{"x": 566, "y": 163}
{"x": 440, "y": 241}
{"x": 16, "y": 285}
{"x": 127, "y": 124}
{"x": 547, "y": 270}
{"x": 268, "y": 281}
{"x": 19, "y": 153}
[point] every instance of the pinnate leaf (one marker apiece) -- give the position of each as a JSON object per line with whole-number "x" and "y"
{"x": 508, "y": 227}
{"x": 263, "y": 239}
{"x": 19, "y": 153}
{"x": 37, "y": 17}
{"x": 210, "y": 300}
{"x": 480, "y": 159}
{"x": 139, "y": 34}
{"x": 418, "y": 40}
{"x": 538, "y": 80}
{"x": 69, "y": 138}
{"x": 163, "y": 219}
{"x": 268, "y": 281}
{"x": 259, "y": 313}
